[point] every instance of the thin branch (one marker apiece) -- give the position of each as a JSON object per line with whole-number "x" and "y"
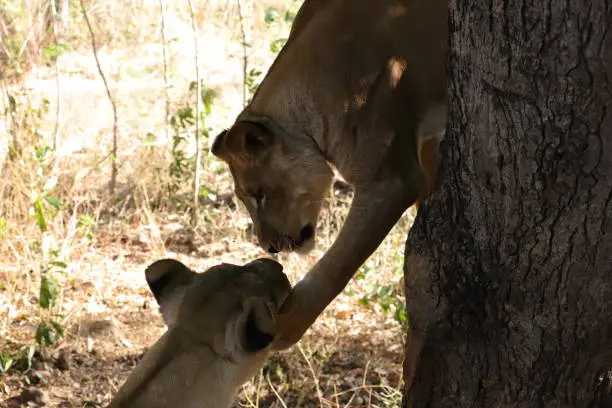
{"x": 315, "y": 379}
{"x": 198, "y": 155}
{"x": 245, "y": 58}
{"x": 162, "y": 6}
{"x": 113, "y": 180}
{"x": 58, "y": 109}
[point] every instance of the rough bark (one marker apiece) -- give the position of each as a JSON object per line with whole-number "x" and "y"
{"x": 509, "y": 265}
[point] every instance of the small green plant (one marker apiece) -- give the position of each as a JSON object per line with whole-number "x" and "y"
{"x": 28, "y": 150}
{"x": 182, "y": 123}
{"x": 17, "y": 360}
{"x": 387, "y": 297}
{"x": 53, "y": 51}
{"x": 181, "y": 165}
{"x": 45, "y": 207}
{"x": 389, "y": 301}
{"x": 86, "y": 226}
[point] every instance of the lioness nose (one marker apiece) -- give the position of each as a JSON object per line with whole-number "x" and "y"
{"x": 306, "y": 233}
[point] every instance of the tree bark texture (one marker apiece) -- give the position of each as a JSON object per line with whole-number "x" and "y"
{"x": 508, "y": 267}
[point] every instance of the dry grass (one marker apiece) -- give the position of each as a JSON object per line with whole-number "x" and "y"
{"x": 350, "y": 358}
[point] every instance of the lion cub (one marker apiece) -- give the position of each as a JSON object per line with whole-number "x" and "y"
{"x": 220, "y": 326}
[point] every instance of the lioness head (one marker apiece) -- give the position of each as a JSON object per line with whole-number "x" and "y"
{"x": 281, "y": 181}
{"x": 220, "y": 326}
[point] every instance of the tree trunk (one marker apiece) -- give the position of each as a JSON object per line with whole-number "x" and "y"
{"x": 509, "y": 265}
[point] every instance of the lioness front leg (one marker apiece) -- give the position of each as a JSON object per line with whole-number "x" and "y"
{"x": 374, "y": 211}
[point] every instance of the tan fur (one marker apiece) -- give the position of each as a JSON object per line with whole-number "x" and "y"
{"x": 221, "y": 324}
{"x": 360, "y": 85}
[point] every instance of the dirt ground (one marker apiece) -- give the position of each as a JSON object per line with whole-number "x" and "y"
{"x": 350, "y": 358}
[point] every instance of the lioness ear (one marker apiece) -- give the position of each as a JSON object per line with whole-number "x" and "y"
{"x": 244, "y": 140}
{"x": 260, "y": 325}
{"x": 218, "y": 147}
{"x": 167, "y": 279}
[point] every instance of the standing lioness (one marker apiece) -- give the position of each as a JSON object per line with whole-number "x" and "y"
{"x": 360, "y": 85}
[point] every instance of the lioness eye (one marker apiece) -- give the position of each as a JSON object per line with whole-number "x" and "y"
{"x": 259, "y": 196}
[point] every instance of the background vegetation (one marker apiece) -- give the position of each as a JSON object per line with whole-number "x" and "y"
{"x": 103, "y": 114}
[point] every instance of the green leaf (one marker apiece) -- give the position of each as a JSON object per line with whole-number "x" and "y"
{"x": 386, "y": 291}
{"x": 48, "y": 292}
{"x": 54, "y": 50}
{"x": 3, "y": 227}
{"x": 41, "y": 153}
{"x": 54, "y": 202}
{"x": 206, "y": 192}
{"x": 6, "y": 362}
{"x": 276, "y": 45}
{"x": 150, "y": 138}
{"x": 289, "y": 16}
{"x": 28, "y": 354}
{"x": 86, "y": 221}
{"x": 39, "y": 212}
{"x": 400, "y": 314}
{"x": 12, "y": 104}
{"x": 45, "y": 334}
{"x": 58, "y": 328}
{"x": 364, "y": 301}
{"x": 59, "y": 264}
{"x": 272, "y": 15}
{"x": 253, "y": 75}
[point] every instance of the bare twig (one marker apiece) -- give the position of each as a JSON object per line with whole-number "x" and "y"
{"x": 280, "y": 399}
{"x": 113, "y": 181}
{"x": 58, "y": 109}
{"x": 245, "y": 58}
{"x": 198, "y": 154}
{"x": 162, "y": 6}
{"x": 315, "y": 379}
{"x": 64, "y": 16}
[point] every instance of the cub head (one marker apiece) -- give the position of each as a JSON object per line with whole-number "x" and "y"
{"x": 234, "y": 305}
{"x": 221, "y": 324}
{"x": 281, "y": 180}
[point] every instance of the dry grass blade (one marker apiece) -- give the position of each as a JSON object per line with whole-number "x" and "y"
{"x": 312, "y": 373}
{"x": 273, "y": 388}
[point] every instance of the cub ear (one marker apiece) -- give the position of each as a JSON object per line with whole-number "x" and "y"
{"x": 168, "y": 279}
{"x": 260, "y": 325}
{"x": 243, "y": 141}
